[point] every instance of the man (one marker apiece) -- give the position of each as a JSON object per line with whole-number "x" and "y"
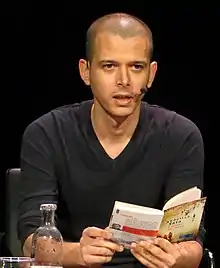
{"x": 86, "y": 156}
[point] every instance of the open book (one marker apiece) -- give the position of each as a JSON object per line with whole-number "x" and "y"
{"x": 179, "y": 220}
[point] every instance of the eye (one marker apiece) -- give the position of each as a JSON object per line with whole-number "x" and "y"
{"x": 137, "y": 67}
{"x": 108, "y": 66}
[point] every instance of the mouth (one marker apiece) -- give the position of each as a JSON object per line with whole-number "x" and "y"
{"x": 123, "y": 96}
{"x": 123, "y": 99}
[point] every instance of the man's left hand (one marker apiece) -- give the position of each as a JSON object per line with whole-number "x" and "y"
{"x": 158, "y": 253}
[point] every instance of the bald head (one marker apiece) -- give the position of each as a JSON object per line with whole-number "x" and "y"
{"x": 124, "y": 25}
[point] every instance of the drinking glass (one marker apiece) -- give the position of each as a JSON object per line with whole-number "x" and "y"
{"x": 15, "y": 262}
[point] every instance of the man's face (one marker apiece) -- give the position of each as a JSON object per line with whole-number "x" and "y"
{"x": 119, "y": 69}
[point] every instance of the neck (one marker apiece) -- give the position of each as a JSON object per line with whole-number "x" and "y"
{"x": 110, "y": 128}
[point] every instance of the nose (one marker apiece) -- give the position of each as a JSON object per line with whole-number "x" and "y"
{"x": 123, "y": 76}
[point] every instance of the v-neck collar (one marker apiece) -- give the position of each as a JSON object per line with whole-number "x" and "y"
{"x": 95, "y": 146}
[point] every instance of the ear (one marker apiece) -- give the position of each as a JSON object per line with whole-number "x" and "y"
{"x": 153, "y": 70}
{"x": 84, "y": 71}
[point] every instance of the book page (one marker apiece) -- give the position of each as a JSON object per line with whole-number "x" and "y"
{"x": 189, "y": 195}
{"x": 136, "y": 208}
{"x": 181, "y": 223}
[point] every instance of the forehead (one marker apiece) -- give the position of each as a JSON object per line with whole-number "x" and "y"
{"x": 113, "y": 46}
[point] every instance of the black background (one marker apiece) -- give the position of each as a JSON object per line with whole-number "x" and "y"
{"x": 40, "y": 49}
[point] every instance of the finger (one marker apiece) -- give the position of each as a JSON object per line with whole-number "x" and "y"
{"x": 154, "y": 252}
{"x": 108, "y": 244}
{"x": 99, "y": 251}
{"x": 151, "y": 248}
{"x": 164, "y": 244}
{"x": 168, "y": 247}
{"x": 94, "y": 259}
{"x": 143, "y": 260}
{"x": 97, "y": 232}
{"x": 147, "y": 255}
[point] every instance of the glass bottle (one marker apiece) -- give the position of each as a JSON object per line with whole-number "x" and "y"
{"x": 47, "y": 241}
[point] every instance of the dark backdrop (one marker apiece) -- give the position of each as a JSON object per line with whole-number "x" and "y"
{"x": 40, "y": 72}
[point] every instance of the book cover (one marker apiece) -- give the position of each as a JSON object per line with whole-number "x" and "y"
{"x": 182, "y": 222}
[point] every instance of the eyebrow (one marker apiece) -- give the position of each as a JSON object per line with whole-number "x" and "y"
{"x": 141, "y": 62}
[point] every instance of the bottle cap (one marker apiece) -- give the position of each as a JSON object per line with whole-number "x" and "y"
{"x": 48, "y": 207}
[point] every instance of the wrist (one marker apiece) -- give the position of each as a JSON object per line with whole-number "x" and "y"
{"x": 191, "y": 251}
{"x": 80, "y": 260}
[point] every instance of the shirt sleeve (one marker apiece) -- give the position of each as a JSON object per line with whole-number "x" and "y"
{"x": 187, "y": 168}
{"x": 38, "y": 182}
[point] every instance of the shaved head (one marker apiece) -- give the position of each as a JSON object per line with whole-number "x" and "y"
{"x": 124, "y": 25}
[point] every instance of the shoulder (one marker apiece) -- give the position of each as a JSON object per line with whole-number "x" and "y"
{"x": 174, "y": 126}
{"x": 63, "y": 116}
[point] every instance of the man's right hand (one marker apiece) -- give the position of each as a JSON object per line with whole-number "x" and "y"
{"x": 96, "y": 246}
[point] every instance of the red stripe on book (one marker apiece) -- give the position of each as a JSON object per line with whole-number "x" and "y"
{"x": 136, "y": 231}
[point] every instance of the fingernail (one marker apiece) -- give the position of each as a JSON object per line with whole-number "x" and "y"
{"x": 133, "y": 245}
{"x": 121, "y": 248}
{"x": 109, "y": 235}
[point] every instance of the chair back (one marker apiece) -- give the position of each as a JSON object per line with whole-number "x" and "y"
{"x": 12, "y": 201}
{"x": 208, "y": 260}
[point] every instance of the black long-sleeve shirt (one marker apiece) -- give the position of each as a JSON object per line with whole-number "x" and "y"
{"x": 62, "y": 161}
